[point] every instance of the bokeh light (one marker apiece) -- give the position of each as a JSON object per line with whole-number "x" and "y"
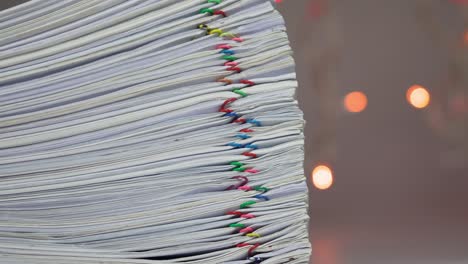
{"x": 322, "y": 177}
{"x": 418, "y": 96}
{"x": 355, "y": 102}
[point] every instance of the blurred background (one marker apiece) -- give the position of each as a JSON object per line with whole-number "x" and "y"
{"x": 384, "y": 89}
{"x": 384, "y": 86}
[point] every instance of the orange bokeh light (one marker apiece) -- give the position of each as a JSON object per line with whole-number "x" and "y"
{"x": 418, "y": 96}
{"x": 322, "y": 177}
{"x": 355, "y": 102}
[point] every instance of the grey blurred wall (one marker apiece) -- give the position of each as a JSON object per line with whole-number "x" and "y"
{"x": 395, "y": 199}
{"x": 389, "y": 160}
{"x": 4, "y": 4}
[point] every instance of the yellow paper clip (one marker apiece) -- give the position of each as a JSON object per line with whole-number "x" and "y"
{"x": 253, "y": 235}
{"x": 215, "y": 31}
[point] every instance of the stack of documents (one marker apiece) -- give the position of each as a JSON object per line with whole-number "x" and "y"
{"x": 149, "y": 131}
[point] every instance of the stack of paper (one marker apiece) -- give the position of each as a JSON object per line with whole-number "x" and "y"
{"x": 149, "y": 131}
